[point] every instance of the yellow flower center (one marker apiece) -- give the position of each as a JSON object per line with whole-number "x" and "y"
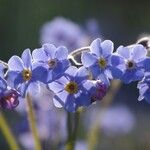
{"x": 130, "y": 64}
{"x": 52, "y": 63}
{"x": 71, "y": 87}
{"x": 102, "y": 63}
{"x": 27, "y": 74}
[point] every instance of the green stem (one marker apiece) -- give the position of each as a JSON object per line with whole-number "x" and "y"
{"x": 72, "y": 129}
{"x": 32, "y": 123}
{"x": 92, "y": 137}
{"x": 7, "y": 133}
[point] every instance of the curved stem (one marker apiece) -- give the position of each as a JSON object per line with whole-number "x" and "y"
{"x": 72, "y": 56}
{"x": 7, "y": 133}
{"x": 4, "y": 64}
{"x": 32, "y": 123}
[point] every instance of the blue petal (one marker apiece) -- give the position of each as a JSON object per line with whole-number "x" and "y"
{"x": 139, "y": 52}
{"x": 50, "y": 50}
{"x": 107, "y": 48}
{"x": 3, "y": 85}
{"x": 15, "y": 63}
{"x": 71, "y": 72}
{"x": 59, "y": 70}
{"x": 70, "y": 104}
{"x": 56, "y": 86}
{"x": 39, "y": 74}
{"x": 116, "y": 60}
{"x": 23, "y": 89}
{"x": 83, "y": 100}
{"x": 34, "y": 89}
{"x": 61, "y": 53}
{"x": 82, "y": 74}
{"x": 124, "y": 52}
{"x": 145, "y": 63}
{"x": 138, "y": 75}
{"x": 104, "y": 79}
{"x": 115, "y": 72}
{"x": 60, "y": 98}
{"x": 88, "y": 59}
{"x": 95, "y": 70}
{"x": 27, "y": 58}
{"x": 39, "y": 55}
{"x": 95, "y": 47}
{"x": 128, "y": 76}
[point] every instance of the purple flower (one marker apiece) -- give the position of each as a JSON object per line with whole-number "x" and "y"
{"x": 61, "y": 31}
{"x": 98, "y": 61}
{"x": 98, "y": 91}
{"x": 144, "y": 88}
{"x": 53, "y": 59}
{"x": 23, "y": 74}
{"x": 70, "y": 90}
{"x": 9, "y": 99}
{"x": 134, "y": 62}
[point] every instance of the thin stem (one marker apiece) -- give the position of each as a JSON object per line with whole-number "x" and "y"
{"x": 4, "y": 64}
{"x": 92, "y": 137}
{"x": 32, "y": 123}
{"x": 72, "y": 129}
{"x": 72, "y": 56}
{"x": 7, "y": 133}
{"x": 69, "y": 145}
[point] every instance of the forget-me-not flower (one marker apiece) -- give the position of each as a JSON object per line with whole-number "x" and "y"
{"x": 98, "y": 60}
{"x": 71, "y": 90}
{"x": 23, "y": 73}
{"x": 53, "y": 59}
{"x": 134, "y": 62}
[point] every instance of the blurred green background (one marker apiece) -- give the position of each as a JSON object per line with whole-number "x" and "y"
{"x": 121, "y": 21}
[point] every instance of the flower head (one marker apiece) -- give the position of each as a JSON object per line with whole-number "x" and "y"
{"x": 53, "y": 59}
{"x": 71, "y": 90}
{"x": 98, "y": 61}
{"x": 134, "y": 62}
{"x": 24, "y": 73}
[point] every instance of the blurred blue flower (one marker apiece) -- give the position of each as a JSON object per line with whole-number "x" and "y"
{"x": 144, "y": 88}
{"x": 71, "y": 90}
{"x": 23, "y": 74}
{"x": 98, "y": 61}
{"x": 134, "y": 62}
{"x": 53, "y": 59}
{"x": 61, "y": 31}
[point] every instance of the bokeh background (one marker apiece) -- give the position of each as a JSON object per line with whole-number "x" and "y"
{"x": 120, "y": 21}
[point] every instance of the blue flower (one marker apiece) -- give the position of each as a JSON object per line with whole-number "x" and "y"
{"x": 134, "y": 62}
{"x": 53, "y": 59}
{"x": 144, "y": 88}
{"x": 98, "y": 61}
{"x": 71, "y": 90}
{"x": 23, "y": 74}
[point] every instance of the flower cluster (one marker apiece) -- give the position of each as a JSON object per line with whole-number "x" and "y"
{"x": 74, "y": 87}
